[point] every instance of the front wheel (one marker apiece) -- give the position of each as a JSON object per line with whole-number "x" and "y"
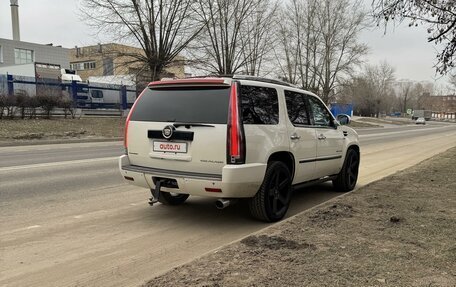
{"x": 271, "y": 202}
{"x": 168, "y": 198}
{"x": 348, "y": 176}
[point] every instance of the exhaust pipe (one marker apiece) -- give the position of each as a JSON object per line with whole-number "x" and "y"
{"x": 222, "y": 203}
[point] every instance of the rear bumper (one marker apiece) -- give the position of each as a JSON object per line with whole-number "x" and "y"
{"x": 236, "y": 181}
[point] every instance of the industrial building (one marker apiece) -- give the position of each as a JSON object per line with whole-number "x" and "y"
{"x": 15, "y": 52}
{"x": 115, "y": 60}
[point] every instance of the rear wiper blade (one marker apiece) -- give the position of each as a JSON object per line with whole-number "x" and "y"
{"x": 188, "y": 125}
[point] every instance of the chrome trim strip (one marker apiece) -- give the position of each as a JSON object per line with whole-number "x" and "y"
{"x": 172, "y": 173}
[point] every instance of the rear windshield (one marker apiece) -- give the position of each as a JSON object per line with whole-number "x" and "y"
{"x": 183, "y": 104}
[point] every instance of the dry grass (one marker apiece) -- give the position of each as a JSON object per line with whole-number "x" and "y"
{"x": 356, "y": 124}
{"x": 399, "y": 231}
{"x": 16, "y": 130}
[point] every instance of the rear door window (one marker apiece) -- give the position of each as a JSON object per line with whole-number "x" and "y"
{"x": 184, "y": 104}
{"x": 297, "y": 108}
{"x": 260, "y": 105}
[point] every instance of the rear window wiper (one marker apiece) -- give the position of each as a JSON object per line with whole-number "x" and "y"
{"x": 188, "y": 125}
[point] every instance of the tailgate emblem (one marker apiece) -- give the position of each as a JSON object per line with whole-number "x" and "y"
{"x": 168, "y": 132}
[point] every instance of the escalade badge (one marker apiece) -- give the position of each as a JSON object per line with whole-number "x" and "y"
{"x": 168, "y": 132}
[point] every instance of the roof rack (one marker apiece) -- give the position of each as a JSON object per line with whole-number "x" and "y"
{"x": 260, "y": 79}
{"x": 248, "y": 78}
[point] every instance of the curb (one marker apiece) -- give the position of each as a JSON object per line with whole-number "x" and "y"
{"x": 62, "y": 141}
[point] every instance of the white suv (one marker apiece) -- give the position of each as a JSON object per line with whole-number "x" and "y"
{"x": 232, "y": 138}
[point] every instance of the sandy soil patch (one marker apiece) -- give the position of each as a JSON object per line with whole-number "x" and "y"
{"x": 399, "y": 231}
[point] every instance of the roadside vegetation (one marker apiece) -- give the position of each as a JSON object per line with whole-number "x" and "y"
{"x": 16, "y": 130}
{"x": 398, "y": 231}
{"x": 60, "y": 128}
{"x": 23, "y": 106}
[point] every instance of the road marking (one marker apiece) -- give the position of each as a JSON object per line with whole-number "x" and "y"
{"x": 33, "y": 227}
{"x": 61, "y": 146}
{"x": 51, "y": 164}
{"x": 400, "y": 132}
{"x": 21, "y": 229}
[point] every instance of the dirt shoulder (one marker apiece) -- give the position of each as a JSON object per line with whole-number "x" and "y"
{"x": 399, "y": 231}
{"x": 359, "y": 124}
{"x": 388, "y": 121}
{"x": 59, "y": 129}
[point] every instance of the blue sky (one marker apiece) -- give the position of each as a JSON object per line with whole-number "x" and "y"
{"x": 57, "y": 22}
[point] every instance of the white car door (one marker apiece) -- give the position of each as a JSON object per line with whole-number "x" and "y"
{"x": 330, "y": 139}
{"x": 303, "y": 142}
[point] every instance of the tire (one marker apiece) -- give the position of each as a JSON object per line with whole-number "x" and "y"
{"x": 272, "y": 200}
{"x": 348, "y": 176}
{"x": 168, "y": 198}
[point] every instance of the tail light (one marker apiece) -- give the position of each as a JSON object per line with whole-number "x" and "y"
{"x": 235, "y": 132}
{"x": 127, "y": 122}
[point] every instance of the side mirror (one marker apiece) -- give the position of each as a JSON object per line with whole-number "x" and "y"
{"x": 343, "y": 119}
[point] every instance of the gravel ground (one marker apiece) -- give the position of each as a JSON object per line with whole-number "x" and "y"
{"x": 399, "y": 231}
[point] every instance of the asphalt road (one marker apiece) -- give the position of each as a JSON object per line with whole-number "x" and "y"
{"x": 67, "y": 219}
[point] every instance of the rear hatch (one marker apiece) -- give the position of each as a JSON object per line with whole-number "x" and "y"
{"x": 180, "y": 127}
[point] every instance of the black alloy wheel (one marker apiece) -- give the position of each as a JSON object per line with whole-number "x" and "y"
{"x": 271, "y": 202}
{"x": 348, "y": 176}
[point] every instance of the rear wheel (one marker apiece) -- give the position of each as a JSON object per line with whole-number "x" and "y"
{"x": 168, "y": 198}
{"x": 271, "y": 202}
{"x": 348, "y": 176}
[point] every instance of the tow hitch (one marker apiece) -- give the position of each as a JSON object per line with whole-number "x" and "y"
{"x": 155, "y": 193}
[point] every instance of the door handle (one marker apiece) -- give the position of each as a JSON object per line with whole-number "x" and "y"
{"x": 295, "y": 137}
{"x": 321, "y": 137}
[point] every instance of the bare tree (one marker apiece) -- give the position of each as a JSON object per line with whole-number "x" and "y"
{"x": 452, "y": 82}
{"x": 257, "y": 37}
{"x": 319, "y": 43}
{"x": 404, "y": 94}
{"x": 162, "y": 28}
{"x": 298, "y": 34}
{"x": 220, "y": 47}
{"x": 372, "y": 91}
{"x": 340, "y": 22}
{"x": 286, "y": 52}
{"x": 381, "y": 79}
{"x": 438, "y": 16}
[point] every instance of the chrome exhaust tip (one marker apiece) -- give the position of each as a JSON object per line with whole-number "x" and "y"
{"x": 222, "y": 203}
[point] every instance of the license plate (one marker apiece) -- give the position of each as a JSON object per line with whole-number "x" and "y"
{"x": 170, "y": 147}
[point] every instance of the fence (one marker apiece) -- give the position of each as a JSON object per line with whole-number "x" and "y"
{"x": 83, "y": 94}
{"x": 446, "y": 116}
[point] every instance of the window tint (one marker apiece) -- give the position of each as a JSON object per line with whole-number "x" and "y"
{"x": 297, "y": 108}
{"x": 260, "y": 105}
{"x": 188, "y": 105}
{"x": 97, "y": 94}
{"x": 82, "y": 89}
{"x": 321, "y": 116}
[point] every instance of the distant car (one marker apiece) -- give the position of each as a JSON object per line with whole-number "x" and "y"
{"x": 420, "y": 121}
